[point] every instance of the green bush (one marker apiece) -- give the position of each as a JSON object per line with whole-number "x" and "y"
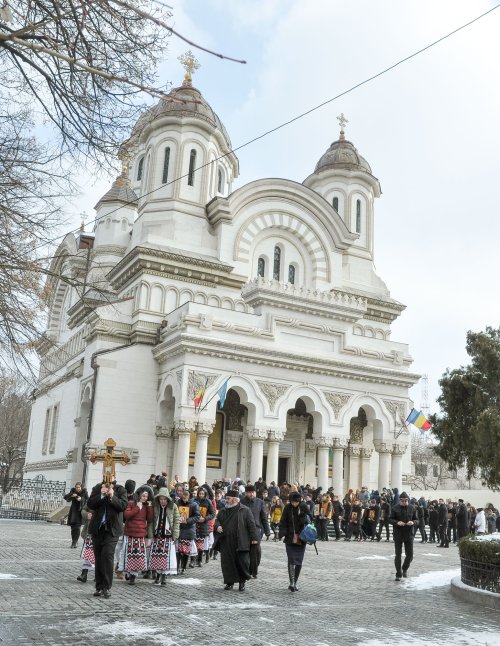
{"x": 482, "y": 551}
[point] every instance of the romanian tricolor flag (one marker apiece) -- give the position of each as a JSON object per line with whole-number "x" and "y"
{"x": 198, "y": 397}
{"x": 419, "y": 420}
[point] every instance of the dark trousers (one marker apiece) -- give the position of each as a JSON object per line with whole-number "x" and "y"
{"x": 443, "y": 535}
{"x": 423, "y": 533}
{"x": 75, "y": 533}
{"x": 398, "y": 546}
{"x": 255, "y": 556}
{"x": 381, "y": 525}
{"x": 371, "y": 529}
{"x": 104, "y": 550}
{"x": 322, "y": 529}
{"x": 433, "y": 530}
{"x": 461, "y": 532}
{"x": 452, "y": 529}
{"x": 336, "y": 527}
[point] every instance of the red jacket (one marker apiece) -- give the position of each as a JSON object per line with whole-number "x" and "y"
{"x": 136, "y": 520}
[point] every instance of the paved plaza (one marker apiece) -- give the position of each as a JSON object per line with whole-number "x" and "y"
{"x": 347, "y": 596}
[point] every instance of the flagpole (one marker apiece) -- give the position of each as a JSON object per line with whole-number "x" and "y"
{"x": 215, "y": 393}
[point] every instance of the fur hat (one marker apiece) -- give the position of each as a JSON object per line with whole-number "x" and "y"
{"x": 233, "y": 493}
{"x": 142, "y": 489}
{"x": 250, "y": 487}
{"x": 294, "y": 496}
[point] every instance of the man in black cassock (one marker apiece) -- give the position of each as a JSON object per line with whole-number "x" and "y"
{"x": 237, "y": 530}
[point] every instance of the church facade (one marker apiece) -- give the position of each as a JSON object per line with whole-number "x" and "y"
{"x": 185, "y": 283}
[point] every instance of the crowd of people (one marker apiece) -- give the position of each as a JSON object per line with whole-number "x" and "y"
{"x": 163, "y": 528}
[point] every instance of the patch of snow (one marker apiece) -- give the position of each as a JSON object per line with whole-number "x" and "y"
{"x": 458, "y": 637}
{"x": 186, "y": 581}
{"x": 270, "y": 621}
{"x": 429, "y": 580}
{"x": 488, "y": 537}
{"x": 126, "y": 631}
{"x": 371, "y": 558}
{"x": 8, "y": 576}
{"x": 432, "y": 554}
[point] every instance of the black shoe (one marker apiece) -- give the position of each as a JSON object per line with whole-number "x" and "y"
{"x": 106, "y": 594}
{"x": 241, "y": 586}
{"x": 98, "y": 593}
{"x": 215, "y": 556}
{"x": 254, "y": 576}
{"x": 164, "y": 579}
{"x": 131, "y": 580}
{"x": 157, "y": 579}
{"x": 229, "y": 586}
{"x": 73, "y": 545}
{"x": 82, "y": 577}
{"x": 398, "y": 577}
{"x": 207, "y": 556}
{"x": 405, "y": 574}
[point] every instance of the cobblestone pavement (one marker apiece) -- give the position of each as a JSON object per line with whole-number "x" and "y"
{"x": 347, "y": 596}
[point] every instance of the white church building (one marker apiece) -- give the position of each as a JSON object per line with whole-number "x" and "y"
{"x": 185, "y": 282}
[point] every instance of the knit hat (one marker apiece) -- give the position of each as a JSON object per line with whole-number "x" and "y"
{"x": 130, "y": 486}
{"x": 403, "y": 494}
{"x": 294, "y": 496}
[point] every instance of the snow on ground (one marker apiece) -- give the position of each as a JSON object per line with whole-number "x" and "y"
{"x": 372, "y": 558}
{"x": 7, "y": 576}
{"x": 126, "y": 631}
{"x": 457, "y": 637}
{"x": 186, "y": 581}
{"x": 429, "y": 580}
{"x": 432, "y": 554}
{"x": 488, "y": 537}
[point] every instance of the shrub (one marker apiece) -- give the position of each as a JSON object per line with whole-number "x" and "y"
{"x": 478, "y": 550}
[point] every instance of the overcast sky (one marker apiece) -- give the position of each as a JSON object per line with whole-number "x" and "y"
{"x": 429, "y": 130}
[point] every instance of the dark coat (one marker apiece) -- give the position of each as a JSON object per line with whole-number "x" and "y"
{"x": 75, "y": 511}
{"x": 113, "y": 508}
{"x": 293, "y": 520}
{"x": 256, "y": 506}
{"x": 247, "y": 530}
{"x": 462, "y": 517}
{"x": 433, "y": 519}
{"x": 405, "y": 514}
{"x": 187, "y": 531}
{"x": 443, "y": 515}
{"x": 206, "y": 512}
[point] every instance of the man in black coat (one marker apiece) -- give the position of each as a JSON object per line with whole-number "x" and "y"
{"x": 462, "y": 518}
{"x": 385, "y": 512}
{"x": 403, "y": 519}
{"x": 78, "y": 499}
{"x": 337, "y": 510}
{"x": 256, "y": 506}
{"x": 107, "y": 502}
{"x": 443, "y": 524}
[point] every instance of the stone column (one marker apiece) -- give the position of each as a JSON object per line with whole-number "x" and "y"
{"x": 339, "y": 444}
{"x": 163, "y": 440}
{"x": 366, "y": 454}
{"x": 203, "y": 431}
{"x": 384, "y": 463}
{"x": 397, "y": 466}
{"x": 323, "y": 444}
{"x": 256, "y": 437}
{"x": 273, "y": 451}
{"x": 354, "y": 452}
{"x": 310, "y": 467}
{"x": 233, "y": 440}
{"x": 183, "y": 429}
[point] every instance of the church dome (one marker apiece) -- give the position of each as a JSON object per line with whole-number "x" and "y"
{"x": 342, "y": 155}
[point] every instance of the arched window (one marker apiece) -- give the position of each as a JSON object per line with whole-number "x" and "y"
{"x": 291, "y": 274}
{"x": 192, "y": 163}
{"x": 166, "y": 160}
{"x": 335, "y": 203}
{"x": 277, "y": 263}
{"x": 358, "y": 216}
{"x": 220, "y": 180}
{"x": 140, "y": 168}
{"x": 261, "y": 267}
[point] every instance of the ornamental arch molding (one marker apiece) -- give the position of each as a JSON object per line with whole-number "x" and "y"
{"x": 374, "y": 411}
{"x": 315, "y": 405}
{"x": 293, "y": 224}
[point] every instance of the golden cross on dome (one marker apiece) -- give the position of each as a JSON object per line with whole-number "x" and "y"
{"x": 343, "y": 122}
{"x": 190, "y": 64}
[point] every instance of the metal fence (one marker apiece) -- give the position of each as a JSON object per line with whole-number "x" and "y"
{"x": 32, "y": 499}
{"x": 477, "y": 574}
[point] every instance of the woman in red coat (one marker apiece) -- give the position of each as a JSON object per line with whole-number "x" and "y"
{"x": 138, "y": 514}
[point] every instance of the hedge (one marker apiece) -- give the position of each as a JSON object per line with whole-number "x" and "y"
{"x": 480, "y": 551}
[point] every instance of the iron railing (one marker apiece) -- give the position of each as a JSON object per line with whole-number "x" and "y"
{"x": 477, "y": 574}
{"x": 32, "y": 499}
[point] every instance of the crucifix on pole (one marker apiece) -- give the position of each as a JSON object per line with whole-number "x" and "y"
{"x": 109, "y": 460}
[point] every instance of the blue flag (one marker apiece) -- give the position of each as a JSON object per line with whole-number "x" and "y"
{"x": 222, "y": 393}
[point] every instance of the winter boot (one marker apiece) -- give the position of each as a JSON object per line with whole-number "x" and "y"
{"x": 164, "y": 579}
{"x": 185, "y": 558}
{"x": 199, "y": 559}
{"x": 291, "y": 577}
{"x": 191, "y": 562}
{"x": 207, "y": 556}
{"x": 157, "y": 577}
{"x": 75, "y": 533}
{"x": 131, "y": 579}
{"x": 83, "y": 576}
{"x": 298, "y": 568}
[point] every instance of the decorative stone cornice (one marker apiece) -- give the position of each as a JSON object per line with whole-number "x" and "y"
{"x": 399, "y": 449}
{"x": 276, "y": 436}
{"x": 366, "y": 454}
{"x": 334, "y": 303}
{"x": 204, "y": 428}
{"x": 340, "y": 442}
{"x": 73, "y": 372}
{"x": 46, "y": 465}
{"x": 164, "y": 432}
{"x": 337, "y": 401}
{"x": 233, "y": 438}
{"x": 272, "y": 392}
{"x": 259, "y": 434}
{"x": 354, "y": 451}
{"x": 382, "y": 447}
{"x": 323, "y": 442}
{"x": 185, "y": 426}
